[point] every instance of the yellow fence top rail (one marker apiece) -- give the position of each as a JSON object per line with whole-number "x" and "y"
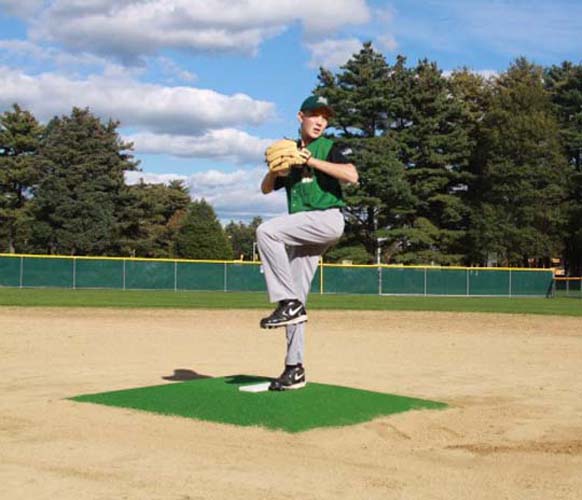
{"x": 248, "y": 262}
{"x": 130, "y": 259}
{"x": 444, "y": 268}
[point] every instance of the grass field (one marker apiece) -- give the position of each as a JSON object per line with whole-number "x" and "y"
{"x": 233, "y": 300}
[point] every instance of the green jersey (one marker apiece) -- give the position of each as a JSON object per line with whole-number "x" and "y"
{"x": 311, "y": 189}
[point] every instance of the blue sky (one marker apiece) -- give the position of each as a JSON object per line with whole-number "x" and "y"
{"x": 203, "y": 86}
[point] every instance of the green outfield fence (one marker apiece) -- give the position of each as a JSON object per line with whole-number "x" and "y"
{"x": 38, "y": 271}
{"x": 568, "y": 287}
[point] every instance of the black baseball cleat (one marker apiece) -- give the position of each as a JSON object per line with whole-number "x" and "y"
{"x": 288, "y": 312}
{"x": 292, "y": 378}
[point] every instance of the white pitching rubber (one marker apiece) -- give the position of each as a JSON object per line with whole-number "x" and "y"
{"x": 262, "y": 387}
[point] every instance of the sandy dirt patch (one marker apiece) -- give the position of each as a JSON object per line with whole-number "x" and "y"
{"x": 513, "y": 429}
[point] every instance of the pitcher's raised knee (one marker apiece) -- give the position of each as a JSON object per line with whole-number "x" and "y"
{"x": 265, "y": 231}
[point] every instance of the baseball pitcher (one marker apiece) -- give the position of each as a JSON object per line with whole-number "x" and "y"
{"x": 311, "y": 170}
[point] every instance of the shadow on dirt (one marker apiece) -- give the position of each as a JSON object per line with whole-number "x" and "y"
{"x": 182, "y": 375}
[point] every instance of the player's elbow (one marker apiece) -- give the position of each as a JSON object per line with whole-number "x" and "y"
{"x": 267, "y": 185}
{"x": 352, "y": 177}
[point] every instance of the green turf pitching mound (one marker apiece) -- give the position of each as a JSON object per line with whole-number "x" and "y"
{"x": 219, "y": 400}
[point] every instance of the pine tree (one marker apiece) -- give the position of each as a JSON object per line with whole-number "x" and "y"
{"x": 473, "y": 92}
{"x": 20, "y": 135}
{"x": 406, "y": 129}
{"x": 565, "y": 86}
{"x": 76, "y": 202}
{"x": 151, "y": 217}
{"x": 522, "y": 172}
{"x": 361, "y": 95}
{"x": 435, "y": 149}
{"x": 201, "y": 236}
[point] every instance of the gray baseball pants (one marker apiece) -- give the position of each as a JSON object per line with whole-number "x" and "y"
{"x": 290, "y": 247}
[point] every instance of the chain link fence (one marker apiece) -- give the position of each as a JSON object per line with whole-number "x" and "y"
{"x": 568, "y": 287}
{"x": 33, "y": 271}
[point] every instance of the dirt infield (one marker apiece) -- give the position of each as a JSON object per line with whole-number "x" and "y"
{"x": 513, "y": 431}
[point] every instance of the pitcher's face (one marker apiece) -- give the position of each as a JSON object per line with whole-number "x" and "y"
{"x": 313, "y": 123}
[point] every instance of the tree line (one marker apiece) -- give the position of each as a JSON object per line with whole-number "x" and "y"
{"x": 454, "y": 169}
{"x": 459, "y": 168}
{"x": 63, "y": 191}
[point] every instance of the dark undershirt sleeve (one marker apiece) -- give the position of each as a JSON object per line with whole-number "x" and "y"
{"x": 337, "y": 154}
{"x": 279, "y": 183}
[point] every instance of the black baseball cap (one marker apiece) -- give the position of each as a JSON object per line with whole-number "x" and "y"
{"x": 314, "y": 102}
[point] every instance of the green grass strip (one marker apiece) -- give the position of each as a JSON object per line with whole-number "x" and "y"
{"x": 219, "y": 400}
{"x": 237, "y": 300}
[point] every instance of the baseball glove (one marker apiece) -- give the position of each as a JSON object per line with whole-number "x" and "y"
{"x": 283, "y": 154}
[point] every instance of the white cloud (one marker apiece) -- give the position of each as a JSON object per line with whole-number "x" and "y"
{"x": 385, "y": 14}
{"x": 485, "y": 73}
{"x": 387, "y": 42}
{"x": 171, "y": 110}
{"x": 333, "y": 53}
{"x": 21, "y": 7}
{"x": 172, "y": 69}
{"x": 128, "y": 30}
{"x": 23, "y": 51}
{"x": 135, "y": 177}
{"x": 24, "y": 48}
{"x": 237, "y": 195}
{"x": 230, "y": 145}
{"x": 32, "y": 56}
{"x": 234, "y": 195}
